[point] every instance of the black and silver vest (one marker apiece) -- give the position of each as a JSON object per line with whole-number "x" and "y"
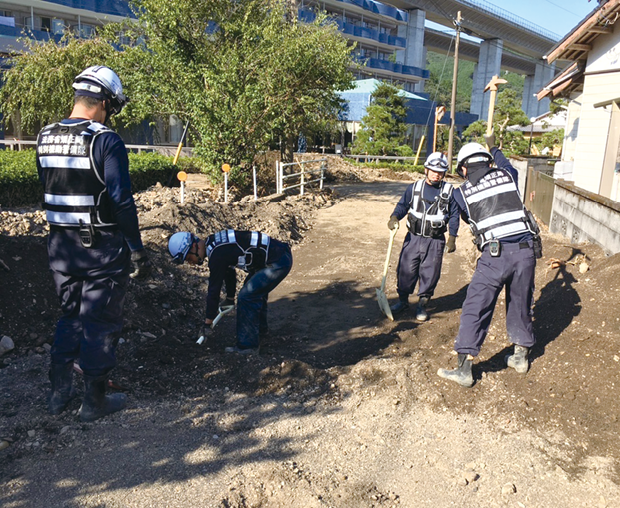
{"x": 75, "y": 190}
{"x": 255, "y": 247}
{"x": 431, "y": 222}
{"x": 494, "y": 206}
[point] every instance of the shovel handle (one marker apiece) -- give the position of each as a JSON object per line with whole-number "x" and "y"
{"x": 386, "y": 266}
{"x": 222, "y": 312}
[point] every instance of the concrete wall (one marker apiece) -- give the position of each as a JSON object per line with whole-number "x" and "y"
{"x": 583, "y": 216}
{"x": 520, "y": 164}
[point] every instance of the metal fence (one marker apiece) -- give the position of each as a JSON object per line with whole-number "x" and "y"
{"x": 283, "y": 175}
{"x": 169, "y": 150}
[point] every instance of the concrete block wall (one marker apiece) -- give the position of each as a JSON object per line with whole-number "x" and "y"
{"x": 582, "y": 216}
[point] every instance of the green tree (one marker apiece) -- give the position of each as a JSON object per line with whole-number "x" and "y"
{"x": 507, "y": 112}
{"x": 37, "y": 87}
{"x": 383, "y": 128}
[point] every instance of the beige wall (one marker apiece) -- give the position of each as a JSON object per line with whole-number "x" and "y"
{"x": 593, "y": 129}
{"x": 571, "y": 128}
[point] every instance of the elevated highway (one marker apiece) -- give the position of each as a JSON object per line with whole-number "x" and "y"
{"x": 494, "y": 38}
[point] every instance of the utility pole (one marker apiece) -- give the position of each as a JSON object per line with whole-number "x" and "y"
{"x": 457, "y": 24}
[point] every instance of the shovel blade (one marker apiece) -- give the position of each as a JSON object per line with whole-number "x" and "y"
{"x": 384, "y": 305}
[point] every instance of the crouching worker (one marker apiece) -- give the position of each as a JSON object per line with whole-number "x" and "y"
{"x": 431, "y": 211}
{"x": 267, "y": 262}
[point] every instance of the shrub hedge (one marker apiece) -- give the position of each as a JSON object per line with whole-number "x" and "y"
{"x": 19, "y": 181}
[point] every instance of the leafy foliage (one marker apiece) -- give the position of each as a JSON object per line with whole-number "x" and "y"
{"x": 20, "y": 185}
{"x": 507, "y": 112}
{"x": 550, "y": 140}
{"x": 242, "y": 74}
{"x": 37, "y": 88}
{"x": 439, "y": 85}
{"x": 383, "y": 128}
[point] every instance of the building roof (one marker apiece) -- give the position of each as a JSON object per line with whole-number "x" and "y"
{"x": 368, "y": 86}
{"x": 577, "y": 44}
{"x": 546, "y": 122}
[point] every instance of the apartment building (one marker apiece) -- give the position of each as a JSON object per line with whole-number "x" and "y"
{"x": 383, "y": 36}
{"x": 45, "y": 19}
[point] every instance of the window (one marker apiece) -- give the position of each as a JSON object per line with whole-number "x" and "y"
{"x": 87, "y": 30}
{"x": 58, "y": 26}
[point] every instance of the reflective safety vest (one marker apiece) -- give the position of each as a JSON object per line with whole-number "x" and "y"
{"x": 254, "y": 245}
{"x": 431, "y": 222}
{"x": 494, "y": 207}
{"x": 75, "y": 190}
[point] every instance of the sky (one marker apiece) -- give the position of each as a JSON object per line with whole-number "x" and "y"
{"x": 558, "y": 16}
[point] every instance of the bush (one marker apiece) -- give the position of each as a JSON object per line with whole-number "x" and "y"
{"x": 19, "y": 181}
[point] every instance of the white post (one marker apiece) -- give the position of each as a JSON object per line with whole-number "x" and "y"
{"x": 323, "y": 164}
{"x": 182, "y": 192}
{"x": 254, "y": 178}
{"x": 226, "y": 187}
{"x": 302, "y": 180}
{"x": 277, "y": 177}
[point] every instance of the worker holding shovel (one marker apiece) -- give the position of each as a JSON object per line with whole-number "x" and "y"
{"x": 431, "y": 211}
{"x": 267, "y": 262}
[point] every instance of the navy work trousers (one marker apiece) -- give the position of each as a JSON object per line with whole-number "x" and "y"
{"x": 252, "y": 299}
{"x": 91, "y": 285}
{"x": 514, "y": 270}
{"x": 420, "y": 259}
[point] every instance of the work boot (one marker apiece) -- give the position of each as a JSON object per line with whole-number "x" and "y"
{"x": 247, "y": 351}
{"x": 61, "y": 377}
{"x": 420, "y": 313}
{"x": 399, "y": 307}
{"x": 461, "y": 375}
{"x": 518, "y": 360}
{"x": 96, "y": 403}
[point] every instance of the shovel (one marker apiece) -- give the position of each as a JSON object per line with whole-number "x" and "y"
{"x": 222, "y": 311}
{"x": 381, "y": 298}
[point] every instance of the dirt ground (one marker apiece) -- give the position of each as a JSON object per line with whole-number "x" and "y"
{"x": 343, "y": 408}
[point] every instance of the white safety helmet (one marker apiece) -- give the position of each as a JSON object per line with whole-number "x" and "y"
{"x": 471, "y": 153}
{"x": 179, "y": 245}
{"x": 437, "y": 161}
{"x": 101, "y": 82}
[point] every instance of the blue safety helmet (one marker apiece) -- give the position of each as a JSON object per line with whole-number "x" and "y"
{"x": 179, "y": 245}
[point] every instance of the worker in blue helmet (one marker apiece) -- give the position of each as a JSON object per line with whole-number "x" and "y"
{"x": 508, "y": 238}
{"x": 431, "y": 212}
{"x": 94, "y": 242}
{"x": 267, "y": 262}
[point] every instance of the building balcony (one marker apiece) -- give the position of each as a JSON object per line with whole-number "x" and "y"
{"x": 378, "y": 8}
{"x": 358, "y": 32}
{"x": 394, "y": 68}
{"x": 111, "y": 7}
{"x": 17, "y": 31}
{"x": 368, "y": 33}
